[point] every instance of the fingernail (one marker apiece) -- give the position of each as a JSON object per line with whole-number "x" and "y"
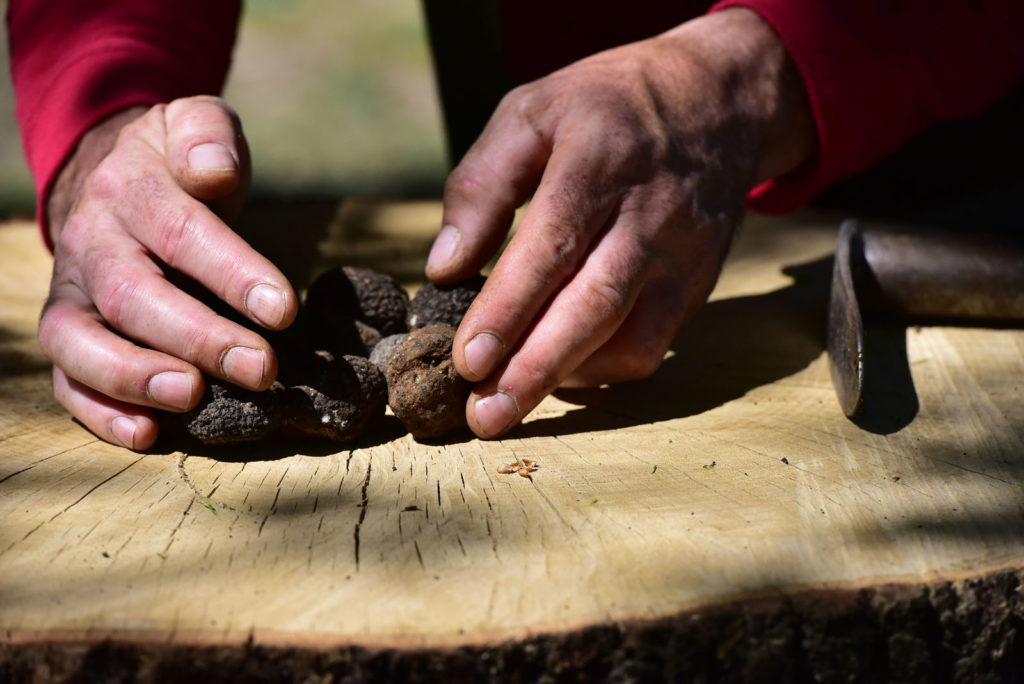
{"x": 496, "y": 413}
{"x": 124, "y": 430}
{"x": 482, "y": 354}
{"x": 444, "y": 247}
{"x": 244, "y": 366}
{"x": 266, "y": 304}
{"x": 211, "y": 157}
{"x": 171, "y": 388}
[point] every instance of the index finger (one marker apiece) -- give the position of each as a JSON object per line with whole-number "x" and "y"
{"x": 185, "y": 234}
{"x": 571, "y": 206}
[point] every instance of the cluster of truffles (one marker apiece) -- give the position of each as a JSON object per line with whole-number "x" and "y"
{"x": 358, "y": 345}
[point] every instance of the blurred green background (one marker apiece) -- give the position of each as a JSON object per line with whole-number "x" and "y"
{"x": 337, "y": 98}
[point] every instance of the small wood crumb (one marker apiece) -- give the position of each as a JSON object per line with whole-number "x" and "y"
{"x": 523, "y": 466}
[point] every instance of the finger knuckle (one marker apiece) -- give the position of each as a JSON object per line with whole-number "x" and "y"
{"x": 114, "y": 295}
{"x": 530, "y": 104}
{"x": 558, "y": 252}
{"x": 108, "y": 181}
{"x": 76, "y": 238}
{"x": 124, "y": 378}
{"x": 603, "y": 299}
{"x": 464, "y": 185}
{"x": 52, "y": 324}
{"x": 640, "y": 362}
{"x": 195, "y": 344}
{"x": 518, "y": 101}
{"x": 179, "y": 227}
{"x": 537, "y": 375}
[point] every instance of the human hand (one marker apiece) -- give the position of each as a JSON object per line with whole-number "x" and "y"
{"x": 638, "y": 160}
{"x": 145, "y": 194}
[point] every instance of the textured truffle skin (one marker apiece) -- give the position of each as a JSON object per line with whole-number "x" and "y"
{"x": 340, "y": 399}
{"x": 443, "y": 304}
{"x": 383, "y": 304}
{"x": 358, "y": 293}
{"x": 424, "y": 390}
{"x": 228, "y": 414}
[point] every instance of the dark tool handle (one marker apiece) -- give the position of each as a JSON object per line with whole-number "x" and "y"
{"x": 941, "y": 275}
{"x": 845, "y": 326}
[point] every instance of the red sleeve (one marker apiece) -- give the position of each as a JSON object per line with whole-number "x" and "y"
{"x": 878, "y": 72}
{"x": 75, "y": 63}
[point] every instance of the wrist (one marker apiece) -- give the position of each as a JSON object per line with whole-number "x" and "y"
{"x": 94, "y": 145}
{"x": 757, "y": 81}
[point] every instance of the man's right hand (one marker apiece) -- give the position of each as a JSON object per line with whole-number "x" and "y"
{"x": 148, "y": 191}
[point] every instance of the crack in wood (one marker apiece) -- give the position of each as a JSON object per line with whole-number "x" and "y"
{"x": 187, "y": 479}
{"x": 35, "y": 463}
{"x": 177, "y": 527}
{"x": 283, "y": 475}
{"x": 419, "y": 556}
{"x": 362, "y": 509}
{"x": 94, "y": 488}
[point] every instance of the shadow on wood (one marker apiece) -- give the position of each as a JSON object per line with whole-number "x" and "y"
{"x": 730, "y": 347}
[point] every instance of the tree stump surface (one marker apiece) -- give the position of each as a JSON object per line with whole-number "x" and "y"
{"x": 721, "y": 519}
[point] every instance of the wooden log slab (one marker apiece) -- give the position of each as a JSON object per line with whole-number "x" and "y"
{"x": 720, "y": 520}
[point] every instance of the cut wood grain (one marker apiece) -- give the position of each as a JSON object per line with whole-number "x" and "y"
{"x": 730, "y": 475}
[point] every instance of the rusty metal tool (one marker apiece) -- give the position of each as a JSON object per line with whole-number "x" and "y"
{"x": 921, "y": 274}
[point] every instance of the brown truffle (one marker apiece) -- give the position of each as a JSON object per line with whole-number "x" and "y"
{"x": 228, "y": 414}
{"x": 339, "y": 400}
{"x": 443, "y": 303}
{"x": 424, "y": 390}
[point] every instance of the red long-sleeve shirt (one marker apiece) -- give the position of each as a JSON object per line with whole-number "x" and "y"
{"x": 75, "y": 63}
{"x": 877, "y": 72}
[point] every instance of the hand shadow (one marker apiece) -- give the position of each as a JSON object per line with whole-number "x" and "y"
{"x": 729, "y": 348}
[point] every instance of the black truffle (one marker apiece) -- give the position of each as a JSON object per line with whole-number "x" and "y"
{"x": 358, "y": 293}
{"x": 340, "y": 399}
{"x": 228, "y": 414}
{"x": 443, "y": 303}
{"x": 424, "y": 390}
{"x": 369, "y": 336}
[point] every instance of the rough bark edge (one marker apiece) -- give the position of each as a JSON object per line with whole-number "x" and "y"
{"x": 968, "y": 630}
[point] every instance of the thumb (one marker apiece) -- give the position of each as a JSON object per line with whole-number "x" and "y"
{"x": 207, "y": 153}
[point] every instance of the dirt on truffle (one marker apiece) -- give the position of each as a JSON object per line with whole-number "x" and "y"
{"x": 340, "y": 400}
{"x": 443, "y": 304}
{"x": 228, "y": 414}
{"x": 424, "y": 390}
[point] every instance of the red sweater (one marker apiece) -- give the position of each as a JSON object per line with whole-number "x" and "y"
{"x": 877, "y": 72}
